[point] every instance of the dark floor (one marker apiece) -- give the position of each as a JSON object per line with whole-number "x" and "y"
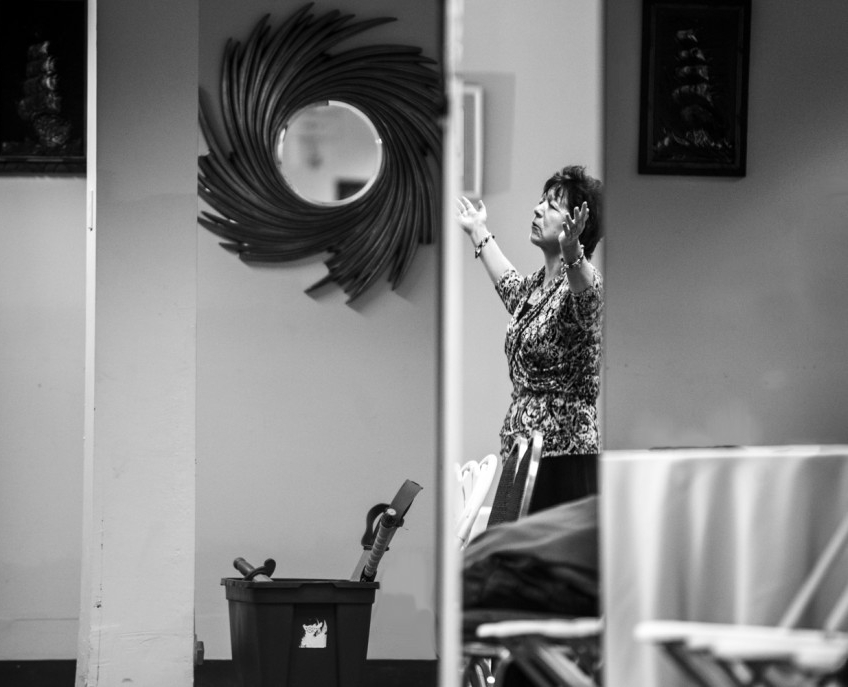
{"x": 377, "y": 673}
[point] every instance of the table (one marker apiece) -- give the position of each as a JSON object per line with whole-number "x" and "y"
{"x": 713, "y": 535}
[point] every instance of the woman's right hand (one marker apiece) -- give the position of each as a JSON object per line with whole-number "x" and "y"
{"x": 472, "y": 219}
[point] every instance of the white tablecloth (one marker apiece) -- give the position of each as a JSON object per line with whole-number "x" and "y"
{"x": 715, "y": 535}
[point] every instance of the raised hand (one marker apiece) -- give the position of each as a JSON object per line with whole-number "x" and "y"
{"x": 470, "y": 217}
{"x": 573, "y": 225}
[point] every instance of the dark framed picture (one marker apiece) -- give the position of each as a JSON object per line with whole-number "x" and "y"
{"x": 42, "y": 86}
{"x": 694, "y": 90}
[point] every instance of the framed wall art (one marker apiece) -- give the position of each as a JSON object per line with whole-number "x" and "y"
{"x": 42, "y": 86}
{"x": 694, "y": 87}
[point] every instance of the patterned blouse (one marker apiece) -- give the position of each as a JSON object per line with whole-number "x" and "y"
{"x": 553, "y": 350}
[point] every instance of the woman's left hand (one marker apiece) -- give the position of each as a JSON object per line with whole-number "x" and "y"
{"x": 573, "y": 226}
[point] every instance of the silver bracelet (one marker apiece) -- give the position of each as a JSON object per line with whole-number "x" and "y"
{"x": 479, "y": 248}
{"x": 576, "y": 263}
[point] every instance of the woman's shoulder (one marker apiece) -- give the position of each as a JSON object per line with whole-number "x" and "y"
{"x": 514, "y": 279}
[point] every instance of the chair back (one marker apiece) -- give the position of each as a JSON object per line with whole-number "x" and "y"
{"x": 530, "y": 471}
{"x": 518, "y": 477}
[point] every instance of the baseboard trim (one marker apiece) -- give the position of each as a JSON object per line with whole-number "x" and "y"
{"x": 57, "y": 673}
{"x": 377, "y": 673}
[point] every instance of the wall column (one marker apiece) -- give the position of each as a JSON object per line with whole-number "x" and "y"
{"x": 137, "y": 601}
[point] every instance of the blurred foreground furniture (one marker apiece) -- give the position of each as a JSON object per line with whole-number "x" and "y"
{"x": 531, "y": 645}
{"x": 717, "y": 540}
{"x": 550, "y": 652}
{"x": 720, "y": 655}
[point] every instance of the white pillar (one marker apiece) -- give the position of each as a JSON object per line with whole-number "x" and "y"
{"x": 137, "y": 601}
{"x": 450, "y": 365}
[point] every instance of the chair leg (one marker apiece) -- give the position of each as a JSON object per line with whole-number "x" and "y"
{"x": 477, "y": 672}
{"x": 705, "y": 674}
{"x": 533, "y": 674}
{"x": 543, "y": 664}
{"x": 564, "y": 668}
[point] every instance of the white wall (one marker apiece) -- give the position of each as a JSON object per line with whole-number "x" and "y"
{"x": 42, "y": 312}
{"x": 727, "y": 317}
{"x": 539, "y": 63}
{"x": 310, "y": 411}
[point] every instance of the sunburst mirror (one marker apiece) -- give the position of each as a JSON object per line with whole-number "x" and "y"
{"x": 285, "y": 94}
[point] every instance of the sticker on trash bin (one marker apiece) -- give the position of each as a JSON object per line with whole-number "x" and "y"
{"x": 314, "y": 634}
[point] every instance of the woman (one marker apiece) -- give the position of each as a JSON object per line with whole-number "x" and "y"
{"x": 553, "y": 341}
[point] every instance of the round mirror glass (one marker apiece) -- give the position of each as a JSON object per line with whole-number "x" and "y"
{"x": 329, "y": 153}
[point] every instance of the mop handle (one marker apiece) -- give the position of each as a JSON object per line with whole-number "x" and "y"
{"x": 385, "y": 531}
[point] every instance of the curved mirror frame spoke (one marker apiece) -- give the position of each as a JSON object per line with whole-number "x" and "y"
{"x": 267, "y": 80}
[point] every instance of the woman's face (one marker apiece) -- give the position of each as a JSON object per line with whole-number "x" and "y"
{"x": 548, "y": 217}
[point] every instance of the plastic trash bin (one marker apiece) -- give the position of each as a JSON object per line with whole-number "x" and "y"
{"x": 299, "y": 633}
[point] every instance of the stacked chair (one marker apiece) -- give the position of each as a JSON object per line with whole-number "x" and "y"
{"x": 726, "y": 655}
{"x": 475, "y": 479}
{"x": 550, "y": 650}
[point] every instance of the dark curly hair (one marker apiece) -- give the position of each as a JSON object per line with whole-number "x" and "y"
{"x": 571, "y": 186}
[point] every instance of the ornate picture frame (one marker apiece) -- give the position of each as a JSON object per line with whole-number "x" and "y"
{"x": 42, "y": 86}
{"x": 694, "y": 87}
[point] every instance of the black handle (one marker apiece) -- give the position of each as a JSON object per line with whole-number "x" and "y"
{"x": 263, "y": 572}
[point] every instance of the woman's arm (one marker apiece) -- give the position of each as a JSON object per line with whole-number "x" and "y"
{"x": 577, "y": 269}
{"x": 473, "y": 222}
